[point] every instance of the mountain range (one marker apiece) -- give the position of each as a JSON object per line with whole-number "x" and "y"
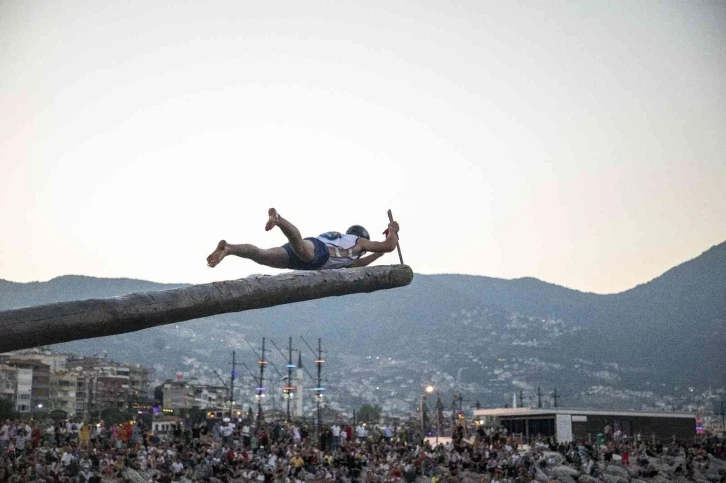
{"x": 483, "y": 337}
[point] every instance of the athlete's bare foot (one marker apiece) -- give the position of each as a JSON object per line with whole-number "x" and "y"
{"x": 273, "y": 220}
{"x": 218, "y": 254}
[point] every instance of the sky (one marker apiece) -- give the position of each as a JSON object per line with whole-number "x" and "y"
{"x": 581, "y": 143}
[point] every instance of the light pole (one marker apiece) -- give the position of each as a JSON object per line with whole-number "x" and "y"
{"x": 319, "y": 393}
{"x": 260, "y": 390}
{"x": 438, "y": 418}
{"x": 429, "y": 389}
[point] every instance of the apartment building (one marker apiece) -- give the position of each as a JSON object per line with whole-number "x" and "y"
{"x": 63, "y": 391}
{"x": 41, "y": 379}
{"x": 8, "y": 382}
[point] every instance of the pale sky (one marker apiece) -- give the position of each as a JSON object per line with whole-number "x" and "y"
{"x": 582, "y": 143}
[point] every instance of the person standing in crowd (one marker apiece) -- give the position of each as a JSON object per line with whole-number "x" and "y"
{"x": 335, "y": 437}
{"x": 360, "y": 432}
{"x": 4, "y": 435}
{"x": 246, "y": 434}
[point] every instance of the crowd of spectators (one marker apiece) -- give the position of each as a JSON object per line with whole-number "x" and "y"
{"x": 225, "y": 451}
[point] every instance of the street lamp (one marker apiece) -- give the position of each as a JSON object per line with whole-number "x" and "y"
{"x": 429, "y": 389}
{"x": 288, "y": 390}
{"x": 439, "y": 408}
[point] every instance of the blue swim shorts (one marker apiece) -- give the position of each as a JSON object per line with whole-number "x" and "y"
{"x": 321, "y": 256}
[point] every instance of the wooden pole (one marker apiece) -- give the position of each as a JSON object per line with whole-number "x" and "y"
{"x": 398, "y": 246}
{"x": 65, "y": 321}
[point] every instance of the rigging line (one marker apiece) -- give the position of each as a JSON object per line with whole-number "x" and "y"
{"x": 311, "y": 349}
{"x": 253, "y": 349}
{"x": 278, "y": 350}
{"x": 254, "y": 378}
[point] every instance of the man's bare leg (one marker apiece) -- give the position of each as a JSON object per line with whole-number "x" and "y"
{"x": 271, "y": 257}
{"x": 304, "y": 249}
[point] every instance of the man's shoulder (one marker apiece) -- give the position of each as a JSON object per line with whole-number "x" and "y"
{"x": 331, "y": 235}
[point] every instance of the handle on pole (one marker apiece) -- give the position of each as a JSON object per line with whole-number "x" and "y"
{"x": 398, "y": 246}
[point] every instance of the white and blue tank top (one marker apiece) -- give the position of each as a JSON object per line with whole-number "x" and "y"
{"x": 343, "y": 246}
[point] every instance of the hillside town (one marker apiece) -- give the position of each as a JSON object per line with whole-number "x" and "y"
{"x": 90, "y": 419}
{"x": 42, "y": 381}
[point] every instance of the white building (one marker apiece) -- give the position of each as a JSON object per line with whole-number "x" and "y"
{"x": 7, "y": 382}
{"x": 209, "y": 396}
{"x": 165, "y": 425}
{"x": 24, "y": 389}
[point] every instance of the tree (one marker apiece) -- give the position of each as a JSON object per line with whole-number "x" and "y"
{"x": 56, "y": 415}
{"x": 425, "y": 419}
{"x": 113, "y": 416}
{"x": 7, "y": 409}
{"x": 195, "y": 414}
{"x": 159, "y": 396}
{"x": 369, "y": 413}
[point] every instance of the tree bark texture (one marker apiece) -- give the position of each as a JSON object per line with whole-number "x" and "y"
{"x": 83, "y": 319}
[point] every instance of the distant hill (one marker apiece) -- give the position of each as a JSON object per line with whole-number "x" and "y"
{"x": 486, "y": 336}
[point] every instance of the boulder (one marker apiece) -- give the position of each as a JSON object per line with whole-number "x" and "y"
{"x": 658, "y": 479}
{"x": 540, "y": 475}
{"x": 565, "y": 470}
{"x": 587, "y": 479}
{"x": 129, "y": 474}
{"x": 661, "y": 468}
{"x": 468, "y": 477}
{"x": 617, "y": 470}
{"x": 633, "y": 471}
{"x": 657, "y": 462}
{"x": 714, "y": 462}
{"x": 554, "y": 456}
{"x": 712, "y": 475}
{"x": 563, "y": 478}
{"x": 610, "y": 478}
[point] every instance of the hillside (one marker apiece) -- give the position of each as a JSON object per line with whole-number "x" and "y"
{"x": 482, "y": 336}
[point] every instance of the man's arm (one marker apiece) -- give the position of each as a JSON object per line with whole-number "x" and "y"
{"x": 386, "y": 246}
{"x": 367, "y": 260}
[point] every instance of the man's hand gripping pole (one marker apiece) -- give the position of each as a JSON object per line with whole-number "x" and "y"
{"x": 398, "y": 246}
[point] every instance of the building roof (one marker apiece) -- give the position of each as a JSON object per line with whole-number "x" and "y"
{"x": 514, "y": 412}
{"x": 35, "y": 363}
{"x": 167, "y": 419}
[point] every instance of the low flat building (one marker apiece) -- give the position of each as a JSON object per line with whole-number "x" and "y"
{"x": 564, "y": 425}
{"x": 165, "y": 425}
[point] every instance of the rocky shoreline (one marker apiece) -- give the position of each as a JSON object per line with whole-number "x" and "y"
{"x": 647, "y": 469}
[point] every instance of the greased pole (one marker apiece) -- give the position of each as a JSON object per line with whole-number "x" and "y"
{"x": 398, "y": 246}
